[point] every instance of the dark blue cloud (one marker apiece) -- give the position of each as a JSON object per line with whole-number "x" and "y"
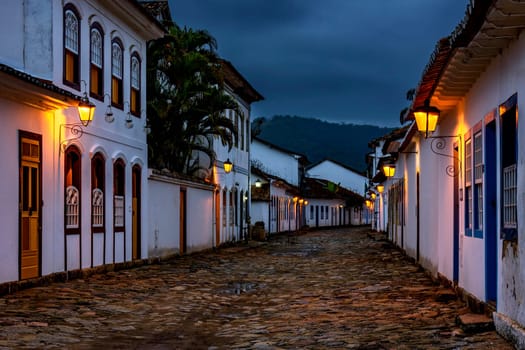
{"x": 337, "y": 60}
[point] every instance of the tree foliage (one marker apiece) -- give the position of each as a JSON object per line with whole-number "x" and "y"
{"x": 186, "y": 101}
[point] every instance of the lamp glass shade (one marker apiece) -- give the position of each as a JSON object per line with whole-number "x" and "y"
{"x": 228, "y": 166}
{"x": 380, "y": 188}
{"x": 258, "y": 183}
{"x": 86, "y": 111}
{"x": 373, "y": 195}
{"x": 421, "y": 114}
{"x": 368, "y": 203}
{"x": 389, "y": 170}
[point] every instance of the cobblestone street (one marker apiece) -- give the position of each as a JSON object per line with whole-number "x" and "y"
{"x": 333, "y": 289}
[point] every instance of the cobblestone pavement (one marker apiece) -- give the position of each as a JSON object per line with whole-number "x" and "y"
{"x": 335, "y": 289}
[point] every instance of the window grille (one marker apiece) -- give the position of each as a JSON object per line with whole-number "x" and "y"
{"x": 72, "y": 207}
{"x": 98, "y": 208}
{"x": 135, "y": 73}
{"x": 119, "y": 211}
{"x": 96, "y": 48}
{"x": 510, "y": 197}
{"x": 71, "y": 37}
{"x": 116, "y": 60}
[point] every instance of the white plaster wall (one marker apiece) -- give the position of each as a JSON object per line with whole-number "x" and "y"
{"x": 199, "y": 226}
{"x": 275, "y": 162}
{"x": 410, "y": 241}
{"x": 260, "y": 213}
{"x": 17, "y": 117}
{"x": 11, "y": 37}
{"x": 501, "y": 79}
{"x": 334, "y": 172}
{"x": 163, "y": 210}
{"x": 430, "y": 192}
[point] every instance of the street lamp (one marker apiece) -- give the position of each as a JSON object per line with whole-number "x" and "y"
{"x": 380, "y": 188}
{"x": 389, "y": 170}
{"x": 426, "y": 118}
{"x": 228, "y": 166}
{"x": 258, "y": 183}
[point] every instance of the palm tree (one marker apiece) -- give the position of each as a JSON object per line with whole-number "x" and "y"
{"x": 186, "y": 101}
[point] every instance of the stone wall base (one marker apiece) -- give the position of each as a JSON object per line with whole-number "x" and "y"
{"x": 510, "y": 330}
{"x": 63, "y": 276}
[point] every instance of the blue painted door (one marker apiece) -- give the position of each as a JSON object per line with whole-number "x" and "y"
{"x": 491, "y": 262}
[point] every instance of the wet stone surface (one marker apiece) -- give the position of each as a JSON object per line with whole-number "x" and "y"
{"x": 336, "y": 289}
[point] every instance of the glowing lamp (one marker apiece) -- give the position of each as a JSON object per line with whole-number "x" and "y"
{"x": 426, "y": 118}
{"x": 389, "y": 170}
{"x": 380, "y": 188}
{"x": 86, "y": 111}
{"x": 301, "y": 201}
{"x": 372, "y": 195}
{"x": 258, "y": 183}
{"x": 228, "y": 166}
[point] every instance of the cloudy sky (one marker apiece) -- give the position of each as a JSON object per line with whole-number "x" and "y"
{"x": 346, "y": 61}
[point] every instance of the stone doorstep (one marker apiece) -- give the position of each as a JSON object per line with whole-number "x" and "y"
{"x": 475, "y": 323}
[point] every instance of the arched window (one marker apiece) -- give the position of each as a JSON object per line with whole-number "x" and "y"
{"x": 72, "y": 192}
{"x": 96, "y": 74}
{"x": 135, "y": 85}
{"x": 117, "y": 69}
{"x": 119, "y": 194}
{"x": 97, "y": 192}
{"x": 71, "y": 46}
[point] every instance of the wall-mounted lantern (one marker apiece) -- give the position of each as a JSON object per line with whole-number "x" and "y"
{"x": 426, "y": 118}
{"x": 228, "y": 166}
{"x": 258, "y": 183}
{"x": 389, "y": 170}
{"x": 380, "y": 188}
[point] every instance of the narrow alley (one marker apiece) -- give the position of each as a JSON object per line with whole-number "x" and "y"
{"x": 330, "y": 289}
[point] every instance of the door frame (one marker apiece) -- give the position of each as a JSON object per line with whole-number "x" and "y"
{"x": 38, "y": 138}
{"x": 136, "y": 214}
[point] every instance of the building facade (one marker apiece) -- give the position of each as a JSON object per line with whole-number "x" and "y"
{"x": 78, "y": 188}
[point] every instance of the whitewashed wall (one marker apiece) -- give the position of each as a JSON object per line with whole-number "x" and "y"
{"x": 275, "y": 162}
{"x": 164, "y": 216}
{"x": 336, "y": 173}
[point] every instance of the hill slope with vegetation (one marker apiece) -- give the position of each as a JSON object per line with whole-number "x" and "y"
{"x": 317, "y": 139}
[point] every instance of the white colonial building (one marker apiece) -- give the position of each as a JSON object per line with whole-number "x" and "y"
{"x": 462, "y": 199}
{"x": 276, "y": 180}
{"x": 73, "y": 194}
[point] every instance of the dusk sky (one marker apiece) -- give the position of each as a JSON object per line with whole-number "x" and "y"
{"x": 346, "y": 61}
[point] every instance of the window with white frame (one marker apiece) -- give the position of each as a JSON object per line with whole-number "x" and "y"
{"x": 97, "y": 192}
{"x": 119, "y": 194}
{"x": 135, "y": 86}
{"x": 71, "y": 46}
{"x": 72, "y": 190}
{"x": 117, "y": 71}
{"x": 468, "y": 187}
{"x": 96, "y": 75}
{"x": 478, "y": 185}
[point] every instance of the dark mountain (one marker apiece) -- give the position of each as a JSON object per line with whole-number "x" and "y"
{"x": 317, "y": 139}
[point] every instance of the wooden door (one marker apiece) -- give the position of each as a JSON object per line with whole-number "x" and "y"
{"x": 30, "y": 207}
